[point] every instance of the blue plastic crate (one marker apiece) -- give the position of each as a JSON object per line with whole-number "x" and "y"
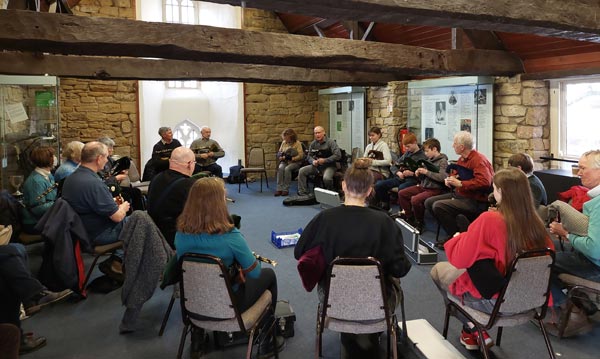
{"x": 282, "y": 242}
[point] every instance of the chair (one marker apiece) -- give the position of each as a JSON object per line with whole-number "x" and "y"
{"x": 356, "y": 302}
{"x": 207, "y": 301}
{"x": 99, "y": 251}
{"x": 256, "y": 164}
{"x": 576, "y": 286}
{"x": 523, "y": 298}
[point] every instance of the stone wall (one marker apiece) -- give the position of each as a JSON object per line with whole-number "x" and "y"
{"x": 379, "y": 100}
{"x": 270, "y": 109}
{"x": 91, "y": 109}
{"x": 521, "y": 119}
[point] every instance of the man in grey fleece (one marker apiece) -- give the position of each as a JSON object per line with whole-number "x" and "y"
{"x": 207, "y": 152}
{"x": 323, "y": 153}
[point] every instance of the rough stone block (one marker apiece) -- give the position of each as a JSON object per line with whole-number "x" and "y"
{"x": 510, "y": 88}
{"x": 501, "y": 119}
{"x": 537, "y": 116}
{"x": 513, "y": 110}
{"x": 535, "y": 96}
{"x": 109, "y": 108}
{"x": 257, "y": 98}
{"x": 529, "y": 132}
{"x": 508, "y": 100}
{"x": 506, "y": 127}
{"x": 504, "y": 136}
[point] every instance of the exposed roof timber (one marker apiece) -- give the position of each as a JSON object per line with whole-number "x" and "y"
{"x": 547, "y": 75}
{"x": 368, "y": 31}
{"x": 487, "y": 40}
{"x": 125, "y": 68}
{"x": 75, "y": 35}
{"x": 577, "y": 20}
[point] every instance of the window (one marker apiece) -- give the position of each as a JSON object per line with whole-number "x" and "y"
{"x": 186, "y": 132}
{"x": 181, "y": 12}
{"x": 576, "y": 119}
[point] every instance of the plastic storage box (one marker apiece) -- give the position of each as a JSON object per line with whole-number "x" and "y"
{"x": 285, "y": 239}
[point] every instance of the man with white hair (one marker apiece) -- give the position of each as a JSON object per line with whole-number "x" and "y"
{"x": 207, "y": 152}
{"x": 470, "y": 180}
{"x": 168, "y": 192}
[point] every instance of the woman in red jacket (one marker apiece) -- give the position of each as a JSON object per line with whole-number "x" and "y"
{"x": 498, "y": 235}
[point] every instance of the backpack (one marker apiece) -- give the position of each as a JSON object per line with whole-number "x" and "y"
{"x": 10, "y": 213}
{"x": 235, "y": 174}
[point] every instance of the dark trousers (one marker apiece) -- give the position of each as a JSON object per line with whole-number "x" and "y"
{"x": 446, "y": 207}
{"x": 412, "y": 200}
{"x": 382, "y": 188}
{"x": 10, "y": 337}
{"x": 249, "y": 293}
{"x": 16, "y": 282}
{"x": 214, "y": 169}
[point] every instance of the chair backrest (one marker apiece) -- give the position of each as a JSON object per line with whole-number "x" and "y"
{"x": 205, "y": 289}
{"x": 356, "y": 290}
{"x": 256, "y": 158}
{"x": 356, "y": 153}
{"x": 528, "y": 284}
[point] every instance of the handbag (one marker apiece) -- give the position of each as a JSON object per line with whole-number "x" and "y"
{"x": 311, "y": 267}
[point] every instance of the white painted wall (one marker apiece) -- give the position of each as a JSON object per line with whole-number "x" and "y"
{"x": 219, "y": 105}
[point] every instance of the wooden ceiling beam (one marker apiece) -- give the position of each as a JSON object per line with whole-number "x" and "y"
{"x": 78, "y": 35}
{"x": 122, "y": 68}
{"x": 576, "y": 20}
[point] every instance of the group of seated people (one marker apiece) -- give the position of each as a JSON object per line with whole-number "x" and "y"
{"x": 193, "y": 217}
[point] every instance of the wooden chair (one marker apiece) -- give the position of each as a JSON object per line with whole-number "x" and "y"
{"x": 256, "y": 164}
{"x": 523, "y": 298}
{"x": 208, "y": 302}
{"x": 356, "y": 302}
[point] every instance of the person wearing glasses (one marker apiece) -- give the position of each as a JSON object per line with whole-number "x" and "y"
{"x": 168, "y": 192}
{"x": 87, "y": 194}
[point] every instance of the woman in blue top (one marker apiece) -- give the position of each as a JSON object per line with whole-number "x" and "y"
{"x": 39, "y": 192}
{"x": 205, "y": 227}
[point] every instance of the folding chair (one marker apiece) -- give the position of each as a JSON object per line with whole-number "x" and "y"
{"x": 524, "y": 297}
{"x": 356, "y": 302}
{"x": 256, "y": 164}
{"x": 207, "y": 301}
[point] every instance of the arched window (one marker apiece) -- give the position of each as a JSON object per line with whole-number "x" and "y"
{"x": 186, "y": 132}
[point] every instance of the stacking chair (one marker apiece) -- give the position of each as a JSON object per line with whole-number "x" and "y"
{"x": 523, "y": 298}
{"x": 256, "y": 164}
{"x": 576, "y": 286}
{"x": 356, "y": 302}
{"x": 207, "y": 301}
{"x": 100, "y": 251}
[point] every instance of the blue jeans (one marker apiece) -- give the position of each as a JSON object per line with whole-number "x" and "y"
{"x": 383, "y": 187}
{"x": 111, "y": 235}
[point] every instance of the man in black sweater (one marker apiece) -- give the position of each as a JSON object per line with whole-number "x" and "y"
{"x": 168, "y": 192}
{"x": 161, "y": 152}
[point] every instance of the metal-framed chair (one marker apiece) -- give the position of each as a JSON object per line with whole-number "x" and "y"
{"x": 356, "y": 302}
{"x": 256, "y": 164}
{"x": 524, "y": 297}
{"x": 207, "y": 301}
{"x": 577, "y": 287}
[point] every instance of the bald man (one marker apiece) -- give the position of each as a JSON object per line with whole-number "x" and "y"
{"x": 323, "y": 153}
{"x": 168, "y": 191}
{"x": 207, "y": 152}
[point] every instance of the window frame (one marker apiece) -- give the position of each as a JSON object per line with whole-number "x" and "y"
{"x": 558, "y": 114}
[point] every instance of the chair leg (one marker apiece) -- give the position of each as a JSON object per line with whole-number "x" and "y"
{"x": 261, "y": 182}
{"x": 546, "y": 339}
{"x": 446, "y": 321}
{"x": 267, "y": 179}
{"x": 89, "y": 273}
{"x": 318, "y": 341}
{"x": 392, "y": 339}
{"x": 166, "y": 318}
{"x": 250, "y": 344}
{"x": 239, "y": 186}
{"x": 482, "y": 346}
{"x": 499, "y": 336}
{"x": 404, "y": 330}
{"x": 564, "y": 318}
{"x": 182, "y": 341}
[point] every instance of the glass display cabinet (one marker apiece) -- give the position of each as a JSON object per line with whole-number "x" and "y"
{"x": 29, "y": 117}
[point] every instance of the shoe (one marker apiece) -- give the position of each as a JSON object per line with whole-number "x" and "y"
{"x": 277, "y": 193}
{"x": 285, "y": 193}
{"x": 113, "y": 268}
{"x": 268, "y": 350}
{"x": 43, "y": 299}
{"x": 471, "y": 340}
{"x": 29, "y": 343}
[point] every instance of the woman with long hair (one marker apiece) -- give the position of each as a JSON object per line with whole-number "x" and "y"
{"x": 39, "y": 191}
{"x": 205, "y": 227}
{"x": 290, "y": 157}
{"x": 498, "y": 235}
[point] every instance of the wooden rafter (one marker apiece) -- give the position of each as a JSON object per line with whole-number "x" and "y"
{"x": 110, "y": 68}
{"x": 74, "y": 35}
{"x": 576, "y": 20}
